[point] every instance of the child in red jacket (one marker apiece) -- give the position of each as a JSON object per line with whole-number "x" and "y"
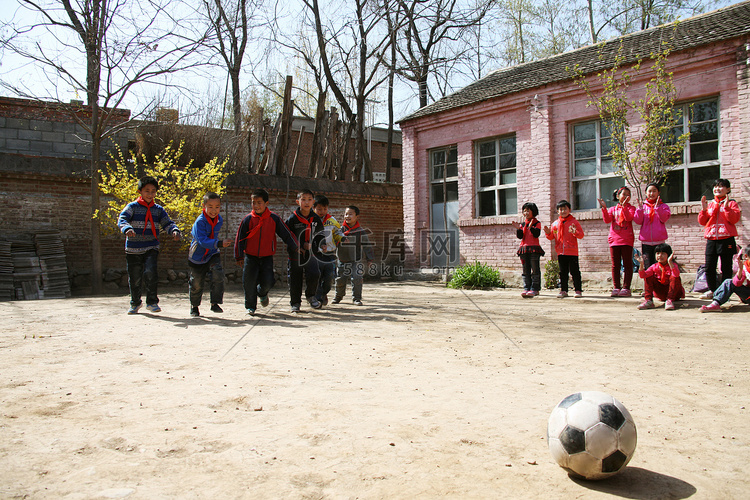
{"x": 566, "y": 231}
{"x": 254, "y": 248}
{"x": 530, "y": 251}
{"x": 661, "y": 280}
{"x": 621, "y": 239}
{"x": 719, "y": 217}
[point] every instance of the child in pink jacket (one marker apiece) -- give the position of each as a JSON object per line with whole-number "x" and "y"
{"x": 620, "y": 239}
{"x": 661, "y": 280}
{"x": 719, "y": 217}
{"x": 652, "y": 217}
{"x": 566, "y": 231}
{"x": 740, "y": 285}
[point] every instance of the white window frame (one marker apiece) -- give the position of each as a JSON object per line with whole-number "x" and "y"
{"x": 498, "y": 186}
{"x": 598, "y": 176}
{"x": 687, "y": 164}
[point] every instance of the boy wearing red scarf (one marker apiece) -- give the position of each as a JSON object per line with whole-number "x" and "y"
{"x": 719, "y": 218}
{"x": 204, "y": 257}
{"x": 302, "y": 265}
{"x": 566, "y": 231}
{"x": 353, "y": 248}
{"x": 661, "y": 280}
{"x": 141, "y": 221}
{"x": 254, "y": 248}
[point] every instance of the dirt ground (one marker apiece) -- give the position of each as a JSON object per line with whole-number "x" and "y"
{"x": 424, "y": 392}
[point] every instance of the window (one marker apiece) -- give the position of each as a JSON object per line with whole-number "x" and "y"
{"x": 496, "y": 186}
{"x": 694, "y": 177}
{"x": 593, "y": 169}
{"x": 444, "y": 175}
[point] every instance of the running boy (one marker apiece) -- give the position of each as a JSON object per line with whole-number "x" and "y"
{"x": 353, "y": 247}
{"x": 302, "y": 265}
{"x": 566, "y": 231}
{"x": 140, "y": 221}
{"x": 326, "y": 253}
{"x": 204, "y": 257}
{"x": 254, "y": 248}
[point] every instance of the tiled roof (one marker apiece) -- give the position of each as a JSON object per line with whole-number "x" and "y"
{"x": 723, "y": 24}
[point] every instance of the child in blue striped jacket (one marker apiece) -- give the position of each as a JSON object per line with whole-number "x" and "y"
{"x": 141, "y": 221}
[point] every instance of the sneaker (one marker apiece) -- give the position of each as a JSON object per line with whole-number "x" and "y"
{"x": 324, "y": 300}
{"x": 646, "y": 304}
{"x": 527, "y": 294}
{"x": 295, "y": 308}
{"x": 562, "y": 295}
{"x": 336, "y": 300}
{"x": 712, "y": 307}
{"x": 357, "y": 302}
{"x": 578, "y": 294}
{"x": 669, "y": 305}
{"x": 216, "y": 308}
{"x": 615, "y": 293}
{"x": 314, "y": 303}
{"x": 709, "y": 295}
{"x": 194, "y": 312}
{"x": 534, "y": 293}
{"x": 625, "y": 292}
{"x": 263, "y": 300}
{"x": 154, "y": 308}
{"x": 134, "y": 309}
{"x": 251, "y": 311}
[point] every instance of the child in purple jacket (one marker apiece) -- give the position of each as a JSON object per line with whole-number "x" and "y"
{"x": 621, "y": 239}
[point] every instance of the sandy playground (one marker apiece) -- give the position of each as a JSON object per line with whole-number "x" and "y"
{"x": 424, "y": 392}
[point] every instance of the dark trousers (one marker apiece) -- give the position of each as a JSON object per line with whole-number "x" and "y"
{"x": 302, "y": 268}
{"x": 350, "y": 271}
{"x": 622, "y": 257}
{"x": 655, "y": 288}
{"x": 649, "y": 255}
{"x": 532, "y": 274}
{"x": 715, "y": 249}
{"x": 142, "y": 271}
{"x": 257, "y": 278}
{"x": 569, "y": 266}
{"x": 197, "y": 278}
{"x": 327, "y": 277}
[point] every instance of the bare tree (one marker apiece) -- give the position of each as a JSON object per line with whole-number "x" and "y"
{"x": 428, "y": 27}
{"x": 232, "y": 22}
{"x": 353, "y": 50}
{"x": 123, "y": 44}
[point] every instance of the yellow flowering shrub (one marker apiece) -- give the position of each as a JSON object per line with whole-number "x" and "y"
{"x": 181, "y": 189}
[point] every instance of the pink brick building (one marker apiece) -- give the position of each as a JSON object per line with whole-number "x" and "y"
{"x": 525, "y": 134}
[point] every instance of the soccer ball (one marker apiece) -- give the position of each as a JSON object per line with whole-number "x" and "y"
{"x": 591, "y": 435}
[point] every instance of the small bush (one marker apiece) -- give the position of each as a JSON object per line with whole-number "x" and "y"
{"x": 477, "y": 275}
{"x": 551, "y": 274}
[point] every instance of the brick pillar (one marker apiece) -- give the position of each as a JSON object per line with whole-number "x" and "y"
{"x": 741, "y": 186}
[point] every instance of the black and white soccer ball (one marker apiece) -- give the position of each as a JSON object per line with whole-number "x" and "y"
{"x": 591, "y": 435}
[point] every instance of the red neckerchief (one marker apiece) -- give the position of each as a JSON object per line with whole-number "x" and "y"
{"x": 620, "y": 214}
{"x": 328, "y": 216}
{"x": 664, "y": 278}
{"x": 713, "y": 214}
{"x": 149, "y": 217}
{"x": 262, "y": 218}
{"x": 306, "y": 222}
{"x": 528, "y": 225}
{"x": 212, "y": 223}
{"x": 747, "y": 266}
{"x": 348, "y": 229}
{"x": 650, "y": 209}
{"x": 560, "y": 227}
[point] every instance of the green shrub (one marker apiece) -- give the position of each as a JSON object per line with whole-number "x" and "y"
{"x": 476, "y": 275}
{"x": 551, "y": 274}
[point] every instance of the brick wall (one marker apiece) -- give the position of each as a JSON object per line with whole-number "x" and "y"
{"x": 541, "y": 120}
